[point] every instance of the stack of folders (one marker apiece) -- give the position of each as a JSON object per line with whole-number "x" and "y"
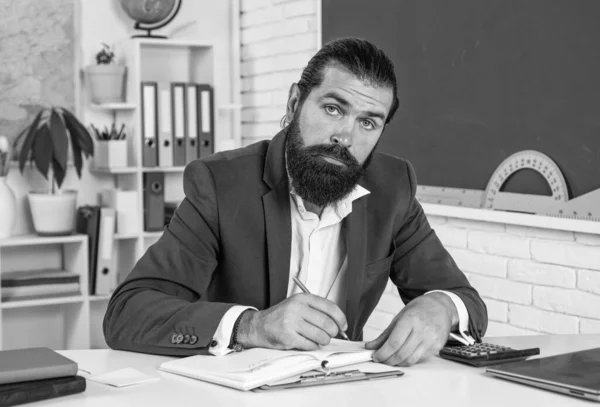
{"x": 261, "y": 369}
{"x": 34, "y": 374}
{"x": 177, "y": 122}
{"x": 29, "y": 284}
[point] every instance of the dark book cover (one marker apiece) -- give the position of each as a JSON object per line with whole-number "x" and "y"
{"x": 21, "y": 365}
{"x": 27, "y": 392}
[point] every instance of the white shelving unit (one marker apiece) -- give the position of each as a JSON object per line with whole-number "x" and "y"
{"x": 67, "y": 318}
{"x": 160, "y": 61}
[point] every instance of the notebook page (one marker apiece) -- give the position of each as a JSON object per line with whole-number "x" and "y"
{"x": 244, "y": 370}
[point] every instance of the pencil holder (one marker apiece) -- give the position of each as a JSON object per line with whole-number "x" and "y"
{"x": 110, "y": 154}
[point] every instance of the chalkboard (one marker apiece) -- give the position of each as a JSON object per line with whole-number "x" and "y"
{"x": 480, "y": 80}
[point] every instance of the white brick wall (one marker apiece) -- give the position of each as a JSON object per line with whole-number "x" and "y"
{"x": 543, "y": 321}
{"x": 543, "y": 274}
{"x": 278, "y": 38}
{"x": 497, "y": 310}
{"x": 566, "y": 253}
{"x": 533, "y": 280}
{"x": 589, "y": 326}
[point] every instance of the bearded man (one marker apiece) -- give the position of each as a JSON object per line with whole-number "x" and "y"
{"x": 317, "y": 203}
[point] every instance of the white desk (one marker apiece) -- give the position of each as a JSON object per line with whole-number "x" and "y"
{"x": 435, "y": 382}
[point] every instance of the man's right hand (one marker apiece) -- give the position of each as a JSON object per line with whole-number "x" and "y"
{"x": 302, "y": 321}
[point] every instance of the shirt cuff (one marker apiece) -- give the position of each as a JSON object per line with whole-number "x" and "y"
{"x": 219, "y": 345}
{"x": 463, "y": 314}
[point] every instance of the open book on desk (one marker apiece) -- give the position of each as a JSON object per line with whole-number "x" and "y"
{"x": 253, "y": 368}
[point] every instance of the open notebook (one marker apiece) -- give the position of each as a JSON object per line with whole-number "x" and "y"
{"x": 253, "y": 368}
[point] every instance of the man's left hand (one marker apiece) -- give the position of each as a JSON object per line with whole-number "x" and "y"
{"x": 419, "y": 331}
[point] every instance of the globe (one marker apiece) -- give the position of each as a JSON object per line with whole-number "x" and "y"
{"x": 148, "y": 11}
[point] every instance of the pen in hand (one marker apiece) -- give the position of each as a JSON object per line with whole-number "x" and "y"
{"x": 305, "y": 290}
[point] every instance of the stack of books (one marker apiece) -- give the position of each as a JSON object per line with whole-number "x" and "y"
{"x": 34, "y": 374}
{"x": 29, "y": 284}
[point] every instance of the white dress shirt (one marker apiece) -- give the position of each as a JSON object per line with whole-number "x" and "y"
{"x": 319, "y": 259}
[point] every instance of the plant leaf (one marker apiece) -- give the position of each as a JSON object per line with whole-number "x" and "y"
{"x": 85, "y": 140}
{"x": 16, "y": 140}
{"x": 42, "y": 150}
{"x": 60, "y": 140}
{"x": 77, "y": 159}
{"x": 59, "y": 172}
{"x": 27, "y": 146}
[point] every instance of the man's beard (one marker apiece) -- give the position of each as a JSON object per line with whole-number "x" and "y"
{"x": 313, "y": 178}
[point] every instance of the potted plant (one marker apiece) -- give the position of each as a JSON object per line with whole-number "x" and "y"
{"x": 45, "y": 142}
{"x": 106, "y": 78}
{"x": 111, "y": 147}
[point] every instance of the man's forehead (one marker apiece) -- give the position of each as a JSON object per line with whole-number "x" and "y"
{"x": 336, "y": 78}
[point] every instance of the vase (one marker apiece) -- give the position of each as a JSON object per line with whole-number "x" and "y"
{"x": 8, "y": 209}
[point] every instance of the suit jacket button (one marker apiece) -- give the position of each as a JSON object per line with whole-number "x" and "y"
{"x": 174, "y": 338}
{"x": 186, "y": 339}
{"x": 193, "y": 339}
{"x": 213, "y": 343}
{"x": 179, "y": 339}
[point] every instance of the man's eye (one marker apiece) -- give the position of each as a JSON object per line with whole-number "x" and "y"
{"x": 367, "y": 124}
{"x": 332, "y": 110}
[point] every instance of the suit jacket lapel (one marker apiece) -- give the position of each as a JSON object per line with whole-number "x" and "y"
{"x": 276, "y": 204}
{"x": 356, "y": 249}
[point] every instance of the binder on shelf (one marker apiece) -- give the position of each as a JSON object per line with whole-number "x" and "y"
{"x": 124, "y": 202}
{"x": 87, "y": 222}
{"x": 207, "y": 119}
{"x": 165, "y": 126}
{"x": 191, "y": 142}
{"x": 106, "y": 275}
{"x": 179, "y": 123}
{"x": 149, "y": 124}
{"x": 154, "y": 201}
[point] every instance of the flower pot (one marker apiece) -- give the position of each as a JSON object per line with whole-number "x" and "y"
{"x": 8, "y": 209}
{"x": 110, "y": 154}
{"x": 53, "y": 214}
{"x": 107, "y": 83}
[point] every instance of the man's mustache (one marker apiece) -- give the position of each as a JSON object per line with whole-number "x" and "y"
{"x": 336, "y": 151}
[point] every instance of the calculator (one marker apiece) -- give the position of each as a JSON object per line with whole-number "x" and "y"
{"x": 486, "y": 354}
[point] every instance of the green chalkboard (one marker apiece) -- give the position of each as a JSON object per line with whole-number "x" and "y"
{"x": 480, "y": 80}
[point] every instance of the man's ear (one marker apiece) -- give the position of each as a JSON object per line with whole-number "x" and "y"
{"x": 292, "y": 103}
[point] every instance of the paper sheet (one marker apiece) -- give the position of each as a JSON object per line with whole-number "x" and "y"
{"x": 123, "y": 377}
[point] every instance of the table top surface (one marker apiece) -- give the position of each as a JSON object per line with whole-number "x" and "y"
{"x": 433, "y": 382}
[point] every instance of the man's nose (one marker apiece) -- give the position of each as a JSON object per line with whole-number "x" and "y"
{"x": 344, "y": 138}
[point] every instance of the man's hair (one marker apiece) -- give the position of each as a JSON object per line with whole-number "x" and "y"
{"x": 361, "y": 58}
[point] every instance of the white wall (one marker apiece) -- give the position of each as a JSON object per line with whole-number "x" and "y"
{"x": 278, "y": 37}
{"x": 533, "y": 280}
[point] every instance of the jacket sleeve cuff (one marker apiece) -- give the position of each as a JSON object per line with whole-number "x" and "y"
{"x": 219, "y": 345}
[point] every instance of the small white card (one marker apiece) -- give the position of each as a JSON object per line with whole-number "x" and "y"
{"x": 123, "y": 377}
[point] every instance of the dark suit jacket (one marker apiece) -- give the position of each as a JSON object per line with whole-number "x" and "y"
{"x": 229, "y": 243}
